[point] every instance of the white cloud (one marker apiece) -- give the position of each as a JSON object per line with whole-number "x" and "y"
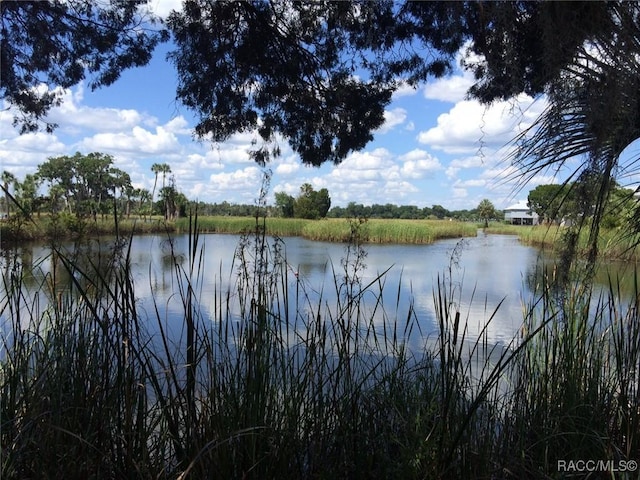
{"x": 417, "y": 163}
{"x": 248, "y": 177}
{"x": 404, "y": 90}
{"x": 178, "y": 125}
{"x": 288, "y": 168}
{"x": 137, "y": 140}
{"x": 162, "y": 8}
{"x": 72, "y": 116}
{"x": 467, "y": 162}
{"x": 392, "y": 118}
{"x": 364, "y": 161}
{"x": 469, "y": 125}
{"x": 474, "y": 182}
{"x": 449, "y": 89}
{"x": 459, "y": 193}
{"x": 451, "y": 172}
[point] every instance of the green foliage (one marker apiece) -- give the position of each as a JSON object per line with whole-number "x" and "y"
{"x": 285, "y": 204}
{"x": 62, "y": 43}
{"x": 85, "y": 183}
{"x": 405, "y": 212}
{"x": 289, "y": 60}
{"x": 311, "y": 204}
{"x": 547, "y": 201}
{"x": 620, "y": 209}
{"x": 338, "y": 230}
{"x": 486, "y": 211}
{"x": 277, "y": 385}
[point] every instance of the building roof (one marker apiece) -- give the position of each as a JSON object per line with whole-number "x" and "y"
{"x": 520, "y": 206}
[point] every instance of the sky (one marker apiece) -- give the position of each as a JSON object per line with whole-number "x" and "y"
{"x": 435, "y": 148}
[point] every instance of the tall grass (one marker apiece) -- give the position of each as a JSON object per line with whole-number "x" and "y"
{"x": 613, "y": 244}
{"x": 285, "y": 384}
{"x": 339, "y": 230}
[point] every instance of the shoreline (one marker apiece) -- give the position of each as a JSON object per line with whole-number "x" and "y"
{"x": 612, "y": 244}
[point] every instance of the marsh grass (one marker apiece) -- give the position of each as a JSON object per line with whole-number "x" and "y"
{"x": 64, "y": 225}
{"x": 284, "y": 384}
{"x": 339, "y": 230}
{"x": 612, "y": 244}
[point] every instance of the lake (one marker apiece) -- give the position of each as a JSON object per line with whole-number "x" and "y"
{"x": 481, "y": 273}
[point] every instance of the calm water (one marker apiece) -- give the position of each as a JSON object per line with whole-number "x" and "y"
{"x": 483, "y": 271}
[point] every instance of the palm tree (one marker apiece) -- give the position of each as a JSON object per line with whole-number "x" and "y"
{"x": 7, "y": 178}
{"x": 156, "y": 168}
{"x": 486, "y": 211}
{"x": 593, "y": 114}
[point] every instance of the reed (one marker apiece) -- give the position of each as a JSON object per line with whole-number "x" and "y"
{"x": 282, "y": 383}
{"x": 613, "y": 244}
{"x": 339, "y": 230}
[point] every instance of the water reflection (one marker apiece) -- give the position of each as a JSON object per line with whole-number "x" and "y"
{"x": 481, "y": 273}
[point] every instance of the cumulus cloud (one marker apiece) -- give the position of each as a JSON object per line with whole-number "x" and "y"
{"x": 459, "y": 192}
{"x": 163, "y": 8}
{"x": 404, "y": 90}
{"x": 474, "y": 182}
{"x": 288, "y": 168}
{"x": 21, "y": 154}
{"x": 418, "y": 163}
{"x": 73, "y": 116}
{"x": 248, "y": 177}
{"x": 449, "y": 89}
{"x": 137, "y": 140}
{"x": 392, "y": 118}
{"x": 469, "y": 125}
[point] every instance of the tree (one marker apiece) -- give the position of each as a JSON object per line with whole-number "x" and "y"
{"x": 145, "y": 201}
{"x": 169, "y": 196}
{"x": 547, "y": 201}
{"x": 285, "y": 204}
{"x": 58, "y": 173}
{"x": 59, "y": 44}
{"x": 310, "y": 203}
{"x": 7, "y": 178}
{"x": 305, "y": 206}
{"x": 84, "y": 182}
{"x": 317, "y": 73}
{"x": 621, "y": 208}
{"x": 157, "y": 168}
{"x": 486, "y": 211}
{"x": 322, "y": 201}
{"x": 439, "y": 211}
{"x": 27, "y": 195}
{"x": 320, "y": 74}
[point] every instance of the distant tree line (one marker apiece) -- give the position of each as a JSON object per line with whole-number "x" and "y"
{"x": 88, "y": 186}
{"x": 388, "y": 210}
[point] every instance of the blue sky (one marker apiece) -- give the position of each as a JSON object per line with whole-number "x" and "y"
{"x": 435, "y": 147}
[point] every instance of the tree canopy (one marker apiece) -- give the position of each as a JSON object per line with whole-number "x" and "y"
{"x": 49, "y": 44}
{"x": 486, "y": 211}
{"x": 84, "y": 182}
{"x": 320, "y": 74}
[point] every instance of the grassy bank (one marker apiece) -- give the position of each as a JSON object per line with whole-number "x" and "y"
{"x": 331, "y": 230}
{"x": 47, "y": 227}
{"x": 275, "y": 386}
{"x": 612, "y": 244}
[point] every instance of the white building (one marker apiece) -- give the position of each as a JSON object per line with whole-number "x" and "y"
{"x": 520, "y": 214}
